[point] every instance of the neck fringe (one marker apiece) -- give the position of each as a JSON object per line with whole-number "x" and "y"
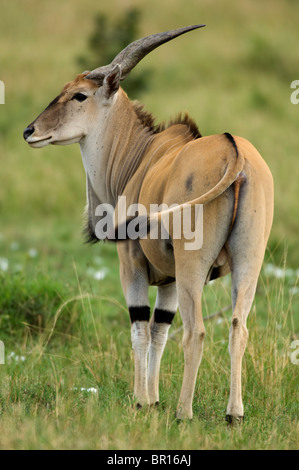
{"x": 148, "y": 120}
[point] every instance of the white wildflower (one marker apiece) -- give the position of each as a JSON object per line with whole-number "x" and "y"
{"x": 83, "y": 389}
{"x": 100, "y": 274}
{"x": 3, "y": 264}
{"x": 32, "y": 253}
{"x": 14, "y": 246}
{"x": 294, "y": 290}
{"x": 16, "y": 357}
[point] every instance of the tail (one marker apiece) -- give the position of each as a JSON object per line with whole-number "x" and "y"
{"x": 234, "y": 168}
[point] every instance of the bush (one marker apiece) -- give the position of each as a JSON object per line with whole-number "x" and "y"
{"x": 107, "y": 40}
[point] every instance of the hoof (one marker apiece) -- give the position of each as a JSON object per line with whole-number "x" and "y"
{"x": 234, "y": 420}
{"x": 180, "y": 418}
{"x": 154, "y": 404}
{"x": 183, "y": 420}
{"x": 138, "y": 406}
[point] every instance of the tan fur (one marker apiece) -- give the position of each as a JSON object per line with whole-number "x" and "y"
{"x": 125, "y": 154}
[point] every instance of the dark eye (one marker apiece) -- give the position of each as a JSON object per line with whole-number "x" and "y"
{"x": 79, "y": 97}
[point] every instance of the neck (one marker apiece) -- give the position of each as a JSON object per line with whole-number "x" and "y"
{"x": 114, "y": 151}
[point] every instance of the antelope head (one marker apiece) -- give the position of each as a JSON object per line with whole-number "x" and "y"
{"x": 71, "y": 115}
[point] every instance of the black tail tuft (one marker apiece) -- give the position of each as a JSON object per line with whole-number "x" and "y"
{"x": 89, "y": 235}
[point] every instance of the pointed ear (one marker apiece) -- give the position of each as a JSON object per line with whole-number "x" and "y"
{"x": 111, "y": 82}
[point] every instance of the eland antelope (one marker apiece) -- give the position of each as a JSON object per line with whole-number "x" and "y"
{"x": 125, "y": 154}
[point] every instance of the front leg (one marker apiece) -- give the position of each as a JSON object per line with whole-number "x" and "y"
{"x": 134, "y": 279}
{"x": 140, "y": 335}
{"x": 165, "y": 309}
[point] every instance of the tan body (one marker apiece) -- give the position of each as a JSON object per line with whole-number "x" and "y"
{"x": 240, "y": 250}
{"x": 125, "y": 155}
{"x": 171, "y": 181}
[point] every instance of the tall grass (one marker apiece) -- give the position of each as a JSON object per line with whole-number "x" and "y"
{"x": 234, "y": 75}
{"x": 68, "y": 377}
{"x": 69, "y": 383}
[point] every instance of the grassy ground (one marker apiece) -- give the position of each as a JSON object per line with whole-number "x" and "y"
{"x": 68, "y": 378}
{"x": 62, "y": 313}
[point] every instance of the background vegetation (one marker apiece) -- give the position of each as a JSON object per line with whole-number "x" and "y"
{"x": 107, "y": 39}
{"x": 68, "y": 377}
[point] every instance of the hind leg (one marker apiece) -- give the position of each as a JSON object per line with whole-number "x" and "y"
{"x": 190, "y": 283}
{"x": 243, "y": 292}
{"x": 246, "y": 248}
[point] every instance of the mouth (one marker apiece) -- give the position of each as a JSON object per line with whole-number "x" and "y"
{"x": 35, "y": 142}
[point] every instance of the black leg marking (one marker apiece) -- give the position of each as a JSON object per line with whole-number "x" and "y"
{"x": 163, "y": 316}
{"x": 139, "y": 313}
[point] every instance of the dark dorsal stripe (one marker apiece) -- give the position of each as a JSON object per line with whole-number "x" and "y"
{"x": 232, "y": 141}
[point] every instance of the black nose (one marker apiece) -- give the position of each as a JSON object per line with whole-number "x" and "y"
{"x": 27, "y": 132}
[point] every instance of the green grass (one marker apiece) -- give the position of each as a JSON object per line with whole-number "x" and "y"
{"x": 63, "y": 328}
{"x": 67, "y": 333}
